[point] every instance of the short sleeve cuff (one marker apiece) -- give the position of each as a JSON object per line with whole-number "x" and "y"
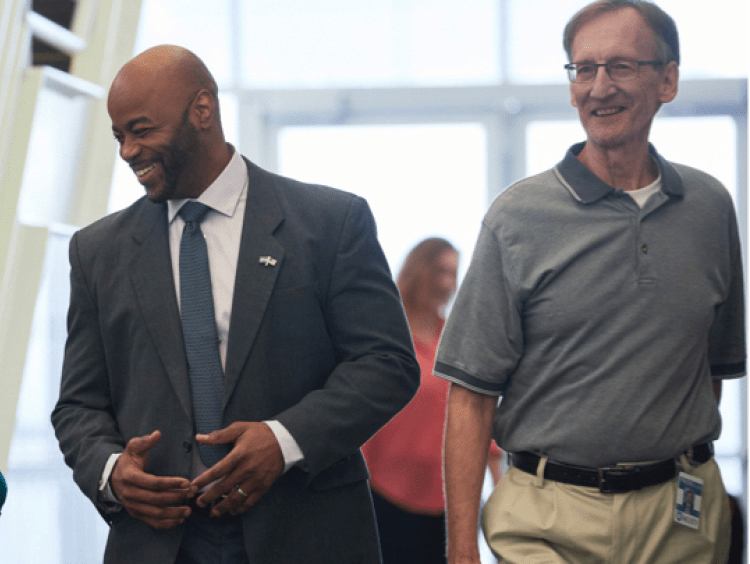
{"x": 727, "y": 371}
{"x": 458, "y": 376}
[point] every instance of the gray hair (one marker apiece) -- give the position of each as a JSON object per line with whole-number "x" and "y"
{"x": 663, "y": 26}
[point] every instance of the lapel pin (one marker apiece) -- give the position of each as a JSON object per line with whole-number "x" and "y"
{"x": 268, "y": 261}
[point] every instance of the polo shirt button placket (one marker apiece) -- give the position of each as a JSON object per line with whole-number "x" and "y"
{"x": 646, "y": 274}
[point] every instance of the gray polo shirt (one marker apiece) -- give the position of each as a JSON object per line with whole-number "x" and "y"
{"x": 601, "y": 324}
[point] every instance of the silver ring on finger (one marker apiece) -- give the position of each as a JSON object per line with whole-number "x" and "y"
{"x": 239, "y": 491}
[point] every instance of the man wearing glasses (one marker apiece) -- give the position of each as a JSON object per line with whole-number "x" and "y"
{"x": 604, "y": 303}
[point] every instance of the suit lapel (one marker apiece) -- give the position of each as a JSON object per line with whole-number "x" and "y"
{"x": 255, "y": 280}
{"x": 151, "y": 273}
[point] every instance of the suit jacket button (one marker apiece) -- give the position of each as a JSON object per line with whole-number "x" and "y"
{"x": 188, "y": 446}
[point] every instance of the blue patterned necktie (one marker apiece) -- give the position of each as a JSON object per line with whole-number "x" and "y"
{"x": 199, "y": 331}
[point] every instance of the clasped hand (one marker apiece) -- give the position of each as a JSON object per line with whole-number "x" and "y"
{"x": 253, "y": 465}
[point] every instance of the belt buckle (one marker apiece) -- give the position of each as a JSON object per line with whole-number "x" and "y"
{"x": 617, "y": 471}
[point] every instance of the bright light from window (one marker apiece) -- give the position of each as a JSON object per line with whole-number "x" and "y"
{"x": 297, "y": 43}
{"x": 713, "y": 40}
{"x": 203, "y": 27}
{"x": 420, "y": 180}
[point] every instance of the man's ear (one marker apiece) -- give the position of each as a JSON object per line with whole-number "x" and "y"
{"x": 669, "y": 82}
{"x": 204, "y": 108}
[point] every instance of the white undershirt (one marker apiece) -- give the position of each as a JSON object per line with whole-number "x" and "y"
{"x": 642, "y": 195}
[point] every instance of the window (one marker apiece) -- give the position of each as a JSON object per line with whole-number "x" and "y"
{"x": 420, "y": 180}
{"x": 334, "y": 43}
{"x": 536, "y": 54}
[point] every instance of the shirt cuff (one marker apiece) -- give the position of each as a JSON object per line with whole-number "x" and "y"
{"x": 106, "y": 495}
{"x": 289, "y": 448}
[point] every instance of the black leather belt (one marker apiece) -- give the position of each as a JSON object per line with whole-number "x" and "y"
{"x": 612, "y": 479}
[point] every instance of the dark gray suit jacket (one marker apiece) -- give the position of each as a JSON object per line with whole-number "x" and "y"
{"x": 318, "y": 342}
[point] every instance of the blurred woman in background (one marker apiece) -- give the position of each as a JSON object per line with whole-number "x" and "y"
{"x": 405, "y": 456}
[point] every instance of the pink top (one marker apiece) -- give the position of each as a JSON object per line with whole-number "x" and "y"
{"x": 405, "y": 456}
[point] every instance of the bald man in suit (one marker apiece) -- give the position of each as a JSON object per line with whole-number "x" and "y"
{"x": 314, "y": 347}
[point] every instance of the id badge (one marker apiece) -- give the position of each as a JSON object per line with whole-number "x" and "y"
{"x": 688, "y": 508}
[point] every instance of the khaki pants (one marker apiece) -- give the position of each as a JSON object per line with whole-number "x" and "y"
{"x": 529, "y": 520}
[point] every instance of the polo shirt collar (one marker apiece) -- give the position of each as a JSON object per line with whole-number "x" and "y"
{"x": 588, "y": 188}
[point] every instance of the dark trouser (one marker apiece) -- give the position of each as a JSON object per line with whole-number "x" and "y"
{"x": 409, "y": 538}
{"x": 212, "y": 540}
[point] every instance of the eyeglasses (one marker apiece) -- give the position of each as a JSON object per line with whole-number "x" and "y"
{"x": 619, "y": 70}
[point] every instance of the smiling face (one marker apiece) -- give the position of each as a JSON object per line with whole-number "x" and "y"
{"x": 151, "y": 122}
{"x": 616, "y": 114}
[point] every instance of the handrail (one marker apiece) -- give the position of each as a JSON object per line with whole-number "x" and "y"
{"x": 56, "y": 35}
